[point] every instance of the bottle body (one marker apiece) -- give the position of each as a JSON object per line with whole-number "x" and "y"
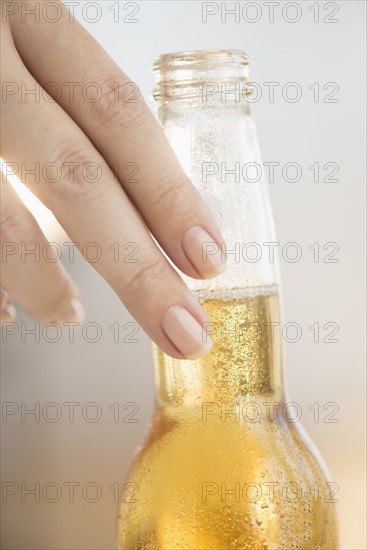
{"x": 225, "y": 464}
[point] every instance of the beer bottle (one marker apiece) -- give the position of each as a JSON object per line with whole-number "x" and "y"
{"x": 226, "y": 464}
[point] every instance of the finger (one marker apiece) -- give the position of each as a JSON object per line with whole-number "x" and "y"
{"x": 40, "y": 133}
{"x": 128, "y": 136}
{"x": 30, "y": 271}
{"x": 8, "y": 311}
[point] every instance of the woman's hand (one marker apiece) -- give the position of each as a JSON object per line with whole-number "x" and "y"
{"x": 68, "y": 134}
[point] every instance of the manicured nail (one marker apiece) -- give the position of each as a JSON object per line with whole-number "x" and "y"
{"x": 204, "y": 254}
{"x": 8, "y": 313}
{"x": 74, "y": 313}
{"x": 185, "y": 333}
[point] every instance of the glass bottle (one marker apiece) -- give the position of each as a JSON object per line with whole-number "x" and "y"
{"x": 225, "y": 464}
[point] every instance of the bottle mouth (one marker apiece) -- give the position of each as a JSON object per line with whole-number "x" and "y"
{"x": 182, "y": 75}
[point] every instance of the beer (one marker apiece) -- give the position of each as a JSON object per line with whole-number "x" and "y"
{"x": 225, "y": 465}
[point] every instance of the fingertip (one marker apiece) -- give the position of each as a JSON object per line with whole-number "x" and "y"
{"x": 184, "y": 331}
{"x": 8, "y": 314}
{"x": 73, "y": 313}
{"x": 203, "y": 253}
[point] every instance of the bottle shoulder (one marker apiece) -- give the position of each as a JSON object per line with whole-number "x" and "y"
{"x": 263, "y": 484}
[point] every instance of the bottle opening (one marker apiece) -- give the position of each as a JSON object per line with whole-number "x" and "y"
{"x": 186, "y": 75}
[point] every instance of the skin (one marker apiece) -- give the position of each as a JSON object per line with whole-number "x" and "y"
{"x": 110, "y": 132}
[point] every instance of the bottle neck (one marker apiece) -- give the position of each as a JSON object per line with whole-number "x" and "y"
{"x": 219, "y": 152}
{"x": 215, "y": 139}
{"x": 216, "y": 143}
{"x": 244, "y": 365}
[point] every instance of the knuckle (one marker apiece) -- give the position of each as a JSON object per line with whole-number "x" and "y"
{"x": 77, "y": 171}
{"x": 117, "y": 103}
{"x": 175, "y": 194}
{"x": 153, "y": 269}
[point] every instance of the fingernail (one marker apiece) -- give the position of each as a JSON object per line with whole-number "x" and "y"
{"x": 203, "y": 253}
{"x": 185, "y": 333}
{"x": 74, "y": 313}
{"x": 8, "y": 313}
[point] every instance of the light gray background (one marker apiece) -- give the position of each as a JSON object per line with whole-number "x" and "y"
{"x": 306, "y": 212}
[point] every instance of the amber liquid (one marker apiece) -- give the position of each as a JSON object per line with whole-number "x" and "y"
{"x": 224, "y": 465}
